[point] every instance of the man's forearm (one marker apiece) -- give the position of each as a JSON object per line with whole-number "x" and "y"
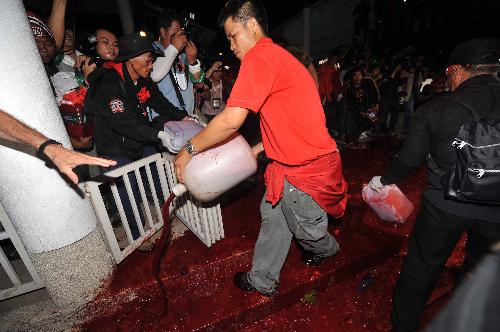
{"x": 13, "y": 130}
{"x": 220, "y": 128}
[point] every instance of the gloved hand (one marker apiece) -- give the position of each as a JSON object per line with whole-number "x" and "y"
{"x": 166, "y": 140}
{"x": 375, "y": 183}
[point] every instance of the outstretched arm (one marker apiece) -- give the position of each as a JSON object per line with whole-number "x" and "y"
{"x": 56, "y": 21}
{"x": 64, "y": 159}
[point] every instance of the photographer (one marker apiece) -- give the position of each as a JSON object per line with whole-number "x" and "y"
{"x": 178, "y": 69}
{"x": 214, "y": 101}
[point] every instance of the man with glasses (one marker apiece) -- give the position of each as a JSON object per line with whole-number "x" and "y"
{"x": 117, "y": 100}
{"x": 472, "y": 79}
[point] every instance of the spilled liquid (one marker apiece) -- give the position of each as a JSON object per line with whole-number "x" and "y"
{"x": 161, "y": 249}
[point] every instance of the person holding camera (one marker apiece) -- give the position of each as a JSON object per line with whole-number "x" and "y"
{"x": 213, "y": 102}
{"x": 176, "y": 72}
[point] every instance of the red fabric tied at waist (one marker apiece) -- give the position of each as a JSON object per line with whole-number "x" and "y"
{"x": 321, "y": 179}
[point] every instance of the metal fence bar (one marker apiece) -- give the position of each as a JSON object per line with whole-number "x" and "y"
{"x": 210, "y": 227}
{"x": 18, "y": 286}
{"x": 195, "y": 214}
{"x": 9, "y": 269}
{"x": 130, "y": 194}
{"x": 102, "y": 215}
{"x": 212, "y": 216}
{"x": 121, "y": 211}
{"x": 190, "y": 215}
{"x": 160, "y": 167}
{"x": 219, "y": 220}
{"x": 153, "y": 190}
{"x": 144, "y": 197}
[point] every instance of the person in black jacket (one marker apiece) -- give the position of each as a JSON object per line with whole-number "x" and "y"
{"x": 362, "y": 98}
{"x": 117, "y": 100}
{"x": 441, "y": 221}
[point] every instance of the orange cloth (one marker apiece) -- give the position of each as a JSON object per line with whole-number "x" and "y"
{"x": 321, "y": 179}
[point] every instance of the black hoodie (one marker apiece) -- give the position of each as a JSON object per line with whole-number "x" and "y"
{"x": 121, "y": 126}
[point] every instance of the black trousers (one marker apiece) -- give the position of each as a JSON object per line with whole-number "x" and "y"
{"x": 355, "y": 126}
{"x": 330, "y": 116}
{"x": 431, "y": 243}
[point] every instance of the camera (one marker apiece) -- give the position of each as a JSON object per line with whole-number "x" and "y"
{"x": 189, "y": 26}
{"x": 88, "y": 46}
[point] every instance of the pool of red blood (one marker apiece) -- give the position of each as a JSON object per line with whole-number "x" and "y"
{"x": 197, "y": 277}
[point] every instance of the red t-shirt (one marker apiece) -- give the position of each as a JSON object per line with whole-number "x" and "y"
{"x": 329, "y": 81}
{"x": 273, "y": 82}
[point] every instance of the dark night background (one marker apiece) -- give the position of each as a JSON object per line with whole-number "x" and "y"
{"x": 429, "y": 25}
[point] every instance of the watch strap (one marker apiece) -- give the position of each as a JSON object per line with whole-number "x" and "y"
{"x": 190, "y": 148}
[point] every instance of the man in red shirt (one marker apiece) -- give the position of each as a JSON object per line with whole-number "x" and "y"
{"x": 329, "y": 89}
{"x": 304, "y": 181}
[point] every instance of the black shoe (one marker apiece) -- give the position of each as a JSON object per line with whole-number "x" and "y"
{"x": 240, "y": 280}
{"x": 311, "y": 259}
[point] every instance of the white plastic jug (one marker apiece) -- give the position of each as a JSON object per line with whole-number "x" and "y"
{"x": 389, "y": 203}
{"x": 218, "y": 169}
{"x": 180, "y": 132}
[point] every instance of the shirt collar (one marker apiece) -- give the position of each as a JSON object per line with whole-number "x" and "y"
{"x": 264, "y": 40}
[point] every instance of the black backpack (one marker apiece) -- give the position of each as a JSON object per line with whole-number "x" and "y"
{"x": 475, "y": 177}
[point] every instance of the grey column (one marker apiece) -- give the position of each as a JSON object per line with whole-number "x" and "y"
{"x": 51, "y": 216}
{"x": 126, "y": 16}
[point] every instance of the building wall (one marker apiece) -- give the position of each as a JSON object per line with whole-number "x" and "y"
{"x": 331, "y": 26}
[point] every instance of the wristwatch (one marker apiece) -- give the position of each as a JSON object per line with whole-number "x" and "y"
{"x": 190, "y": 148}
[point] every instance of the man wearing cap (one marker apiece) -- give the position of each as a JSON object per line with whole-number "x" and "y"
{"x": 45, "y": 42}
{"x": 440, "y": 223}
{"x": 117, "y": 99}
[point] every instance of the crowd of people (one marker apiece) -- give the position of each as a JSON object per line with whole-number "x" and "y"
{"x": 373, "y": 94}
{"x": 116, "y": 97}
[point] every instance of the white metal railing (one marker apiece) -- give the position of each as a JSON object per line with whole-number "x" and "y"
{"x": 203, "y": 220}
{"x": 18, "y": 276}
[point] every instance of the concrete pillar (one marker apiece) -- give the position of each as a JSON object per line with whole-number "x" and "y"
{"x": 126, "y": 16}
{"x": 306, "y": 36}
{"x": 51, "y": 216}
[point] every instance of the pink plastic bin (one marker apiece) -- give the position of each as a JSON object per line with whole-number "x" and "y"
{"x": 389, "y": 204}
